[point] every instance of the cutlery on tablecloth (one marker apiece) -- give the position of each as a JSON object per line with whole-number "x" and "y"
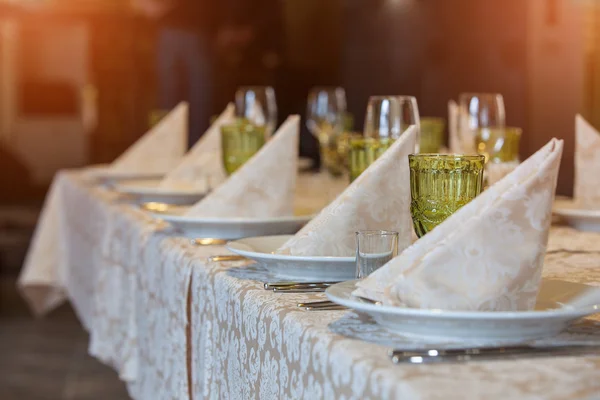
{"x": 314, "y": 289}
{"x": 226, "y": 257}
{"x": 208, "y": 242}
{"x": 285, "y": 285}
{"x": 432, "y": 356}
{"x": 320, "y": 305}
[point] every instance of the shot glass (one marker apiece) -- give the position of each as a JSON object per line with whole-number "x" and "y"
{"x": 240, "y": 141}
{"x": 373, "y": 250}
{"x": 440, "y": 184}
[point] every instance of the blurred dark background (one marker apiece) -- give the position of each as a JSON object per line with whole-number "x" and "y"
{"x": 79, "y": 80}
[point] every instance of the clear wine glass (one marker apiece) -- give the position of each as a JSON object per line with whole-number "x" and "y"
{"x": 475, "y": 111}
{"x": 257, "y": 104}
{"x": 326, "y": 107}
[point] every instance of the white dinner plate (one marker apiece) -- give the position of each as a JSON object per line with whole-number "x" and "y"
{"x": 104, "y": 174}
{"x": 549, "y": 318}
{"x": 225, "y": 228}
{"x": 148, "y": 190}
{"x": 262, "y": 249}
{"x": 578, "y": 217}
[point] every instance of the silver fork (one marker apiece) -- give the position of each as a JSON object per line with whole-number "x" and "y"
{"x": 320, "y": 305}
{"x": 297, "y": 287}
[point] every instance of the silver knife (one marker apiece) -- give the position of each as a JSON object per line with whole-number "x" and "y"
{"x": 432, "y": 356}
{"x": 293, "y": 285}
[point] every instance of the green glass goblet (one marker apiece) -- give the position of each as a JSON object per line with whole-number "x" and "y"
{"x": 363, "y": 152}
{"x": 432, "y": 134}
{"x": 239, "y": 142}
{"x": 440, "y": 184}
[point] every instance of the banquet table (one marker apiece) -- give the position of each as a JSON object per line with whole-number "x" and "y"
{"x": 175, "y": 325}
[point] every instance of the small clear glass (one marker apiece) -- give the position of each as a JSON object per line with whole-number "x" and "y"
{"x": 373, "y": 250}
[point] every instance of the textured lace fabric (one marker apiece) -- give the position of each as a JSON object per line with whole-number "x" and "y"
{"x": 251, "y": 343}
{"x": 164, "y": 317}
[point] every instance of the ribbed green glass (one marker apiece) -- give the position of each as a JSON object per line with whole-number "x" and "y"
{"x": 498, "y": 144}
{"x": 363, "y": 152}
{"x": 239, "y": 142}
{"x": 440, "y": 184}
{"x": 432, "y": 134}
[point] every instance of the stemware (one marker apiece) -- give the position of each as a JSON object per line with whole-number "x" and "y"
{"x": 500, "y": 146}
{"x": 239, "y": 142}
{"x": 440, "y": 184}
{"x": 386, "y": 119}
{"x": 257, "y": 105}
{"x": 432, "y": 134}
{"x": 325, "y": 119}
{"x": 478, "y": 110}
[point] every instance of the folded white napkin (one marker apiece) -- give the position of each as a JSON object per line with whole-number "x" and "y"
{"x": 587, "y": 164}
{"x": 202, "y": 166}
{"x": 379, "y": 199}
{"x": 160, "y": 149}
{"x": 264, "y": 186}
{"x": 486, "y": 256}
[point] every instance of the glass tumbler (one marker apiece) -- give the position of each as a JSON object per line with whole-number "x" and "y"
{"x": 373, "y": 250}
{"x": 432, "y": 134}
{"x": 440, "y": 184}
{"x": 239, "y": 142}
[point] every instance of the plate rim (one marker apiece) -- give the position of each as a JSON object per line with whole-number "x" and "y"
{"x": 561, "y": 209}
{"x": 577, "y": 213}
{"x": 283, "y": 257}
{"x": 151, "y": 191}
{"x": 225, "y": 221}
{"x": 452, "y": 314}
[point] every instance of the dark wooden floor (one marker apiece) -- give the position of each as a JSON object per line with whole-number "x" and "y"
{"x": 47, "y": 358}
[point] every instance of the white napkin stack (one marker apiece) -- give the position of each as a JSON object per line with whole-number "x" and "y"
{"x": 587, "y": 164}
{"x": 202, "y": 167}
{"x": 264, "y": 186}
{"x": 379, "y": 199}
{"x": 486, "y": 256}
{"x": 160, "y": 149}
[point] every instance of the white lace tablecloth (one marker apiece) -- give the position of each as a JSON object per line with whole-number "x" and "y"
{"x": 135, "y": 286}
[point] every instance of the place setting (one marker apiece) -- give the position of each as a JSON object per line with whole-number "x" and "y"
{"x": 451, "y": 284}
